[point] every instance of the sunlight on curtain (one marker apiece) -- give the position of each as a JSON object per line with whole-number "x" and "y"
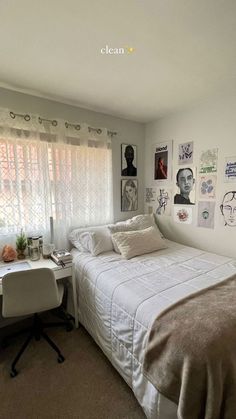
{"x": 45, "y": 173}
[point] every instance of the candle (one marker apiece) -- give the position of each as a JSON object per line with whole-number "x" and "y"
{"x": 51, "y": 230}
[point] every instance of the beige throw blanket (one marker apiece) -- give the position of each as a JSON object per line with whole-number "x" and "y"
{"x": 191, "y": 353}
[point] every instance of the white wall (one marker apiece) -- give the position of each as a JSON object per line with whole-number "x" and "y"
{"x": 128, "y": 132}
{"x": 209, "y": 125}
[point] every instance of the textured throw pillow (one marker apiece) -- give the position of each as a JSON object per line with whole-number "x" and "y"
{"x": 139, "y": 222}
{"x": 138, "y": 242}
{"x": 95, "y": 240}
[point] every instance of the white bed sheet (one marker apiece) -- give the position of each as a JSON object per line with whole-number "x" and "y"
{"x": 119, "y": 299}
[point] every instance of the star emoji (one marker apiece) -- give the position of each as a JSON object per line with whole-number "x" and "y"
{"x": 130, "y": 50}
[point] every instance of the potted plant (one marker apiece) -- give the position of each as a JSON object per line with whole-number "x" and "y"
{"x": 21, "y": 243}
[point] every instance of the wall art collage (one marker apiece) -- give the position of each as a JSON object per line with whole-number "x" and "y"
{"x": 192, "y": 186}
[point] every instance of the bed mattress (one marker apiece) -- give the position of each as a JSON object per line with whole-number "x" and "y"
{"x": 119, "y": 300}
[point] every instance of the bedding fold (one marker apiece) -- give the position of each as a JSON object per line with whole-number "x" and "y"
{"x": 191, "y": 353}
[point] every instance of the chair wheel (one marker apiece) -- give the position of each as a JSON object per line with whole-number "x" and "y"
{"x": 4, "y": 344}
{"x": 13, "y": 373}
{"x": 60, "y": 359}
{"x": 69, "y": 327}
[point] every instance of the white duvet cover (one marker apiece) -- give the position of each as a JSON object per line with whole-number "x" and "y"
{"x": 119, "y": 299}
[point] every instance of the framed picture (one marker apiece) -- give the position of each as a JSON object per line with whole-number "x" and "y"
{"x": 186, "y": 153}
{"x": 162, "y": 161}
{"x": 129, "y": 195}
{"x": 128, "y": 160}
{"x": 185, "y": 186}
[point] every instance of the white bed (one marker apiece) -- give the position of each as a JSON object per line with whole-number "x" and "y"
{"x": 119, "y": 299}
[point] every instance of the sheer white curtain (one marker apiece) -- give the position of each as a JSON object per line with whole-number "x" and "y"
{"x": 52, "y": 171}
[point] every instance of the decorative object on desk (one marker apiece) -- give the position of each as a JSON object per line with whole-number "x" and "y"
{"x": 34, "y": 251}
{"x": 21, "y": 243}
{"x": 30, "y": 243}
{"x": 62, "y": 257}
{"x": 8, "y": 253}
{"x": 47, "y": 250}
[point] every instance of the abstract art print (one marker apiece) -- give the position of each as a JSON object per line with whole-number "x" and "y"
{"x": 150, "y": 199}
{"x": 207, "y": 186}
{"x": 186, "y": 153}
{"x": 206, "y": 213}
{"x": 163, "y": 204}
{"x": 129, "y": 195}
{"x": 230, "y": 169}
{"x": 128, "y": 160}
{"x": 208, "y": 161}
{"x": 183, "y": 215}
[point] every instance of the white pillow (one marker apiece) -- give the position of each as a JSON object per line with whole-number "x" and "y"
{"x": 95, "y": 240}
{"x": 138, "y": 242}
{"x": 139, "y": 222}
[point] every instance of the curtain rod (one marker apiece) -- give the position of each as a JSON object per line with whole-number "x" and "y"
{"x": 27, "y": 118}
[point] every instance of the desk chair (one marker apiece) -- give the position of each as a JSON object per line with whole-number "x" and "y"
{"x": 31, "y": 292}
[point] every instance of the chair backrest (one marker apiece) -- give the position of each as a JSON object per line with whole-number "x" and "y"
{"x": 28, "y": 292}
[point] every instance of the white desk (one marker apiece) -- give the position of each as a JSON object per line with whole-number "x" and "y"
{"x": 67, "y": 272}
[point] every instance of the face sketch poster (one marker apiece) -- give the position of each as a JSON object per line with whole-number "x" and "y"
{"x": 207, "y": 186}
{"x": 228, "y": 208}
{"x": 208, "y": 161}
{"x": 162, "y": 161}
{"x": 206, "y": 213}
{"x": 230, "y": 169}
{"x": 183, "y": 215}
{"x": 186, "y": 153}
{"x": 185, "y": 186}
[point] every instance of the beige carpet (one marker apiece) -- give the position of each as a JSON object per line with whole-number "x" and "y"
{"x": 85, "y": 386}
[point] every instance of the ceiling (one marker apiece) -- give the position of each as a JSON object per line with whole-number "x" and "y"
{"x": 184, "y": 52}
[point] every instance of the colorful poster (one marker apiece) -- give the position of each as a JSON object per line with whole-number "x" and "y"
{"x": 207, "y": 187}
{"x": 228, "y": 208}
{"x": 162, "y": 161}
{"x": 183, "y": 215}
{"x": 185, "y": 186}
{"x": 206, "y": 213}
{"x": 186, "y": 153}
{"x": 230, "y": 169}
{"x": 163, "y": 202}
{"x": 208, "y": 161}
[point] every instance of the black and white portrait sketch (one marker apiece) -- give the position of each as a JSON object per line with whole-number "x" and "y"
{"x": 128, "y": 160}
{"x": 129, "y": 195}
{"x": 185, "y": 182}
{"x": 228, "y": 208}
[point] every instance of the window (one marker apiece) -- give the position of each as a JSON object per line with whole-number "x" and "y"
{"x": 73, "y": 183}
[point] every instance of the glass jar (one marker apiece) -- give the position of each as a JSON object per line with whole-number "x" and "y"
{"x": 34, "y": 252}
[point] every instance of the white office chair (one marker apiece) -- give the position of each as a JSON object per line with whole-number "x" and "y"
{"x": 31, "y": 292}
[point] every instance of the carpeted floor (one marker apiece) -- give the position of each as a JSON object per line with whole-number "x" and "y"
{"x": 85, "y": 386}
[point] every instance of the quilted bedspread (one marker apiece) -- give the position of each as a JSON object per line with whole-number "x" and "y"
{"x": 120, "y": 299}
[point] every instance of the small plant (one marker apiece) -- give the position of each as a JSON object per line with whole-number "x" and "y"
{"x": 21, "y": 241}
